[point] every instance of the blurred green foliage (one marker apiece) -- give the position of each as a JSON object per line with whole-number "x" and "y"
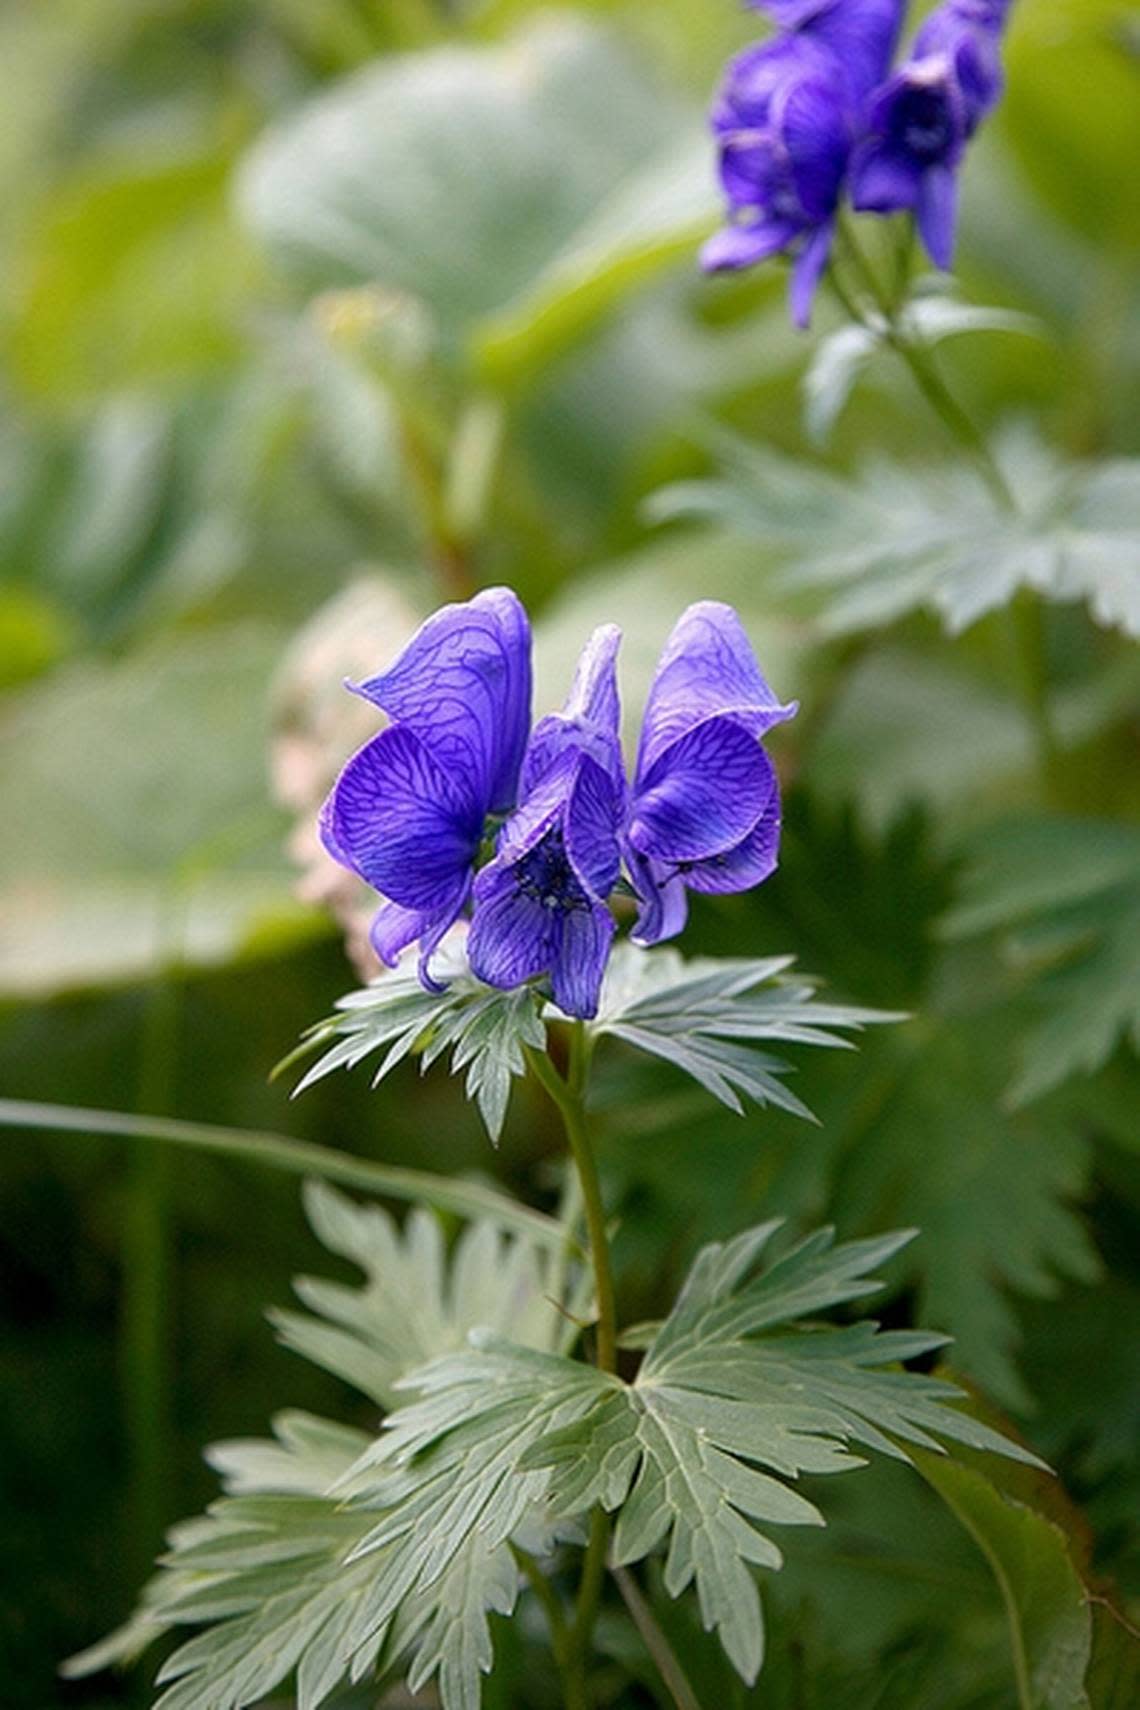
{"x": 296, "y": 293}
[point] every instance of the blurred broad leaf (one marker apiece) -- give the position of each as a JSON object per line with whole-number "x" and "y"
{"x": 520, "y": 190}
{"x": 145, "y": 836}
{"x": 1047, "y": 1604}
{"x": 1065, "y": 896}
{"x": 992, "y": 1190}
{"x": 899, "y": 538}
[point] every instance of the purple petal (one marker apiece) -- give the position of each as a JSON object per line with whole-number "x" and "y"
{"x": 512, "y": 936}
{"x": 862, "y": 34}
{"x": 754, "y": 78}
{"x": 394, "y": 928}
{"x": 590, "y": 718}
{"x": 661, "y": 892}
{"x": 807, "y": 273}
{"x": 707, "y": 668}
{"x": 594, "y": 811}
{"x": 883, "y": 181}
{"x": 744, "y": 246}
{"x": 938, "y": 213}
{"x": 582, "y": 949}
{"x": 463, "y": 686}
{"x": 816, "y": 137}
{"x": 703, "y": 795}
{"x": 752, "y": 861}
{"x": 541, "y": 810}
{"x": 396, "y": 817}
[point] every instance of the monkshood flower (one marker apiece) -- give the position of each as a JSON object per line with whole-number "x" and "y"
{"x": 407, "y": 813}
{"x": 705, "y": 807}
{"x": 785, "y": 119}
{"x": 920, "y": 121}
{"x": 784, "y": 127}
{"x": 540, "y": 905}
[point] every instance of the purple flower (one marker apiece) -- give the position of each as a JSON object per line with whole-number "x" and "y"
{"x": 921, "y": 119}
{"x": 705, "y": 809}
{"x": 784, "y": 125}
{"x": 540, "y": 905}
{"x": 785, "y": 119}
{"x": 408, "y": 810}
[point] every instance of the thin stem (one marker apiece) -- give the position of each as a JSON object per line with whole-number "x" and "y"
{"x": 1026, "y": 614}
{"x": 568, "y": 1096}
{"x": 295, "y": 1157}
{"x": 573, "y": 1694}
{"x": 590, "y": 1585}
{"x": 668, "y": 1666}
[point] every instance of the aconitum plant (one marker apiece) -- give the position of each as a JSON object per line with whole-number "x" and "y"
{"x": 525, "y": 1441}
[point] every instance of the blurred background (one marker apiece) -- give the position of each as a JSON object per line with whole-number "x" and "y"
{"x": 315, "y": 313}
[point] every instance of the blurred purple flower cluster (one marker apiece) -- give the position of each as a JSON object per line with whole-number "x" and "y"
{"x": 816, "y": 111}
{"x": 412, "y": 810}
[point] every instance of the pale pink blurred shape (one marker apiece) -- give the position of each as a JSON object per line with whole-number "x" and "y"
{"x": 317, "y": 724}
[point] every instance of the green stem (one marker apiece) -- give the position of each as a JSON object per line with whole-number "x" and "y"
{"x": 1026, "y": 615}
{"x": 668, "y": 1666}
{"x": 295, "y": 1157}
{"x": 569, "y": 1095}
{"x": 144, "y": 1322}
{"x": 573, "y": 1691}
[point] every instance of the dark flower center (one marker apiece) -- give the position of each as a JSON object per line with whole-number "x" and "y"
{"x": 545, "y": 874}
{"x": 922, "y": 123}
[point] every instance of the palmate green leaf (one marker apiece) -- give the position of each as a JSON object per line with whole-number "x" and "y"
{"x": 738, "y": 1393}
{"x": 416, "y": 1302}
{"x": 707, "y": 1016}
{"x": 1064, "y": 894}
{"x": 484, "y": 1030}
{"x": 898, "y": 537}
{"x": 272, "y": 1571}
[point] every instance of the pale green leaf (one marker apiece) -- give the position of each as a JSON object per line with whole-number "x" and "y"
{"x": 706, "y": 1018}
{"x": 1064, "y": 894}
{"x": 900, "y": 537}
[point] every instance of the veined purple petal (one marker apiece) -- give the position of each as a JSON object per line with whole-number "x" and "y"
{"x": 703, "y": 795}
{"x": 541, "y": 810}
{"x": 664, "y": 906}
{"x": 752, "y": 860}
{"x": 397, "y": 818}
{"x": 707, "y": 668}
{"x": 753, "y": 80}
{"x": 816, "y": 137}
{"x": 463, "y": 687}
{"x": 512, "y": 933}
{"x": 589, "y": 720}
{"x": 579, "y": 964}
{"x": 394, "y": 928}
{"x": 590, "y": 824}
